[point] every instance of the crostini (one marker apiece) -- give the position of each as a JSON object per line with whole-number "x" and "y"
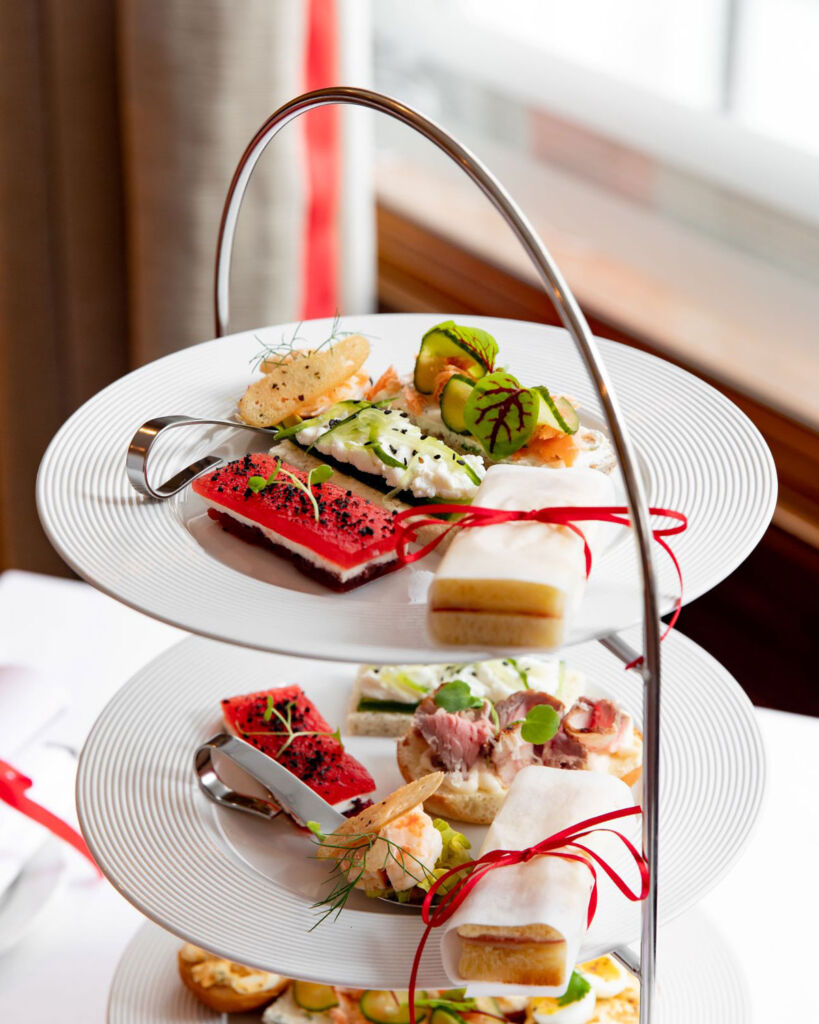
{"x": 481, "y": 746}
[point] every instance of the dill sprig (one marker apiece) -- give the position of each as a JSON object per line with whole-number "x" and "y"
{"x": 285, "y": 349}
{"x": 286, "y": 720}
{"x": 349, "y": 870}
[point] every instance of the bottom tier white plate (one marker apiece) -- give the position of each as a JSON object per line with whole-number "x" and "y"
{"x": 699, "y": 981}
{"x": 244, "y": 888}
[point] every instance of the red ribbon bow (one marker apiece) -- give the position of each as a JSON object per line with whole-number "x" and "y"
{"x": 553, "y": 846}
{"x": 411, "y": 520}
{"x": 13, "y": 786}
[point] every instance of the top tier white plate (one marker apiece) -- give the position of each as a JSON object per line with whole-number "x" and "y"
{"x": 698, "y": 453}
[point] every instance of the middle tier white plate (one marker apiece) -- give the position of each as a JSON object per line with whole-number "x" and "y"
{"x": 244, "y": 888}
{"x": 698, "y": 454}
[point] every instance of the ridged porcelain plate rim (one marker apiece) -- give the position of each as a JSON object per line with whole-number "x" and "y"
{"x": 699, "y": 980}
{"x": 698, "y": 453}
{"x": 208, "y": 874}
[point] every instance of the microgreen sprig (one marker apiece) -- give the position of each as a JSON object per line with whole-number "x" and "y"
{"x": 286, "y": 720}
{"x": 317, "y": 475}
{"x": 540, "y": 724}
{"x": 456, "y": 696}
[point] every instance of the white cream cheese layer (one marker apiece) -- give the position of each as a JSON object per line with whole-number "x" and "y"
{"x": 492, "y": 680}
{"x": 208, "y": 970}
{"x": 429, "y": 468}
{"x": 306, "y": 553}
{"x": 530, "y": 551}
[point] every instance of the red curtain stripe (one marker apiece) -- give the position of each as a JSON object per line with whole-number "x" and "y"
{"x": 323, "y": 165}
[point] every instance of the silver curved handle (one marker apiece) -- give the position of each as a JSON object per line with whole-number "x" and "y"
{"x": 574, "y": 321}
{"x": 136, "y": 461}
{"x": 216, "y": 790}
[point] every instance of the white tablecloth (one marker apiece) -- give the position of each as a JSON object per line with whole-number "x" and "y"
{"x": 766, "y": 907}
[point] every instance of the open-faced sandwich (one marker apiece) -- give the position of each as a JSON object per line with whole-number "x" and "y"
{"x": 455, "y": 392}
{"x": 481, "y": 745}
{"x": 393, "y": 848}
{"x": 225, "y": 986}
{"x": 287, "y": 726}
{"x": 329, "y": 533}
{"x": 384, "y": 697}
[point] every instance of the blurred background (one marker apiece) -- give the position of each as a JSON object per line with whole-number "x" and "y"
{"x": 668, "y": 153}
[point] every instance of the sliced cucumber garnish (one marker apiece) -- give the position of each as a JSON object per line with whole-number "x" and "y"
{"x": 557, "y": 413}
{"x": 443, "y": 1016}
{"x": 388, "y": 1008}
{"x": 474, "y": 349}
{"x": 453, "y": 399}
{"x": 386, "y": 706}
{"x": 386, "y": 458}
{"x": 314, "y": 998}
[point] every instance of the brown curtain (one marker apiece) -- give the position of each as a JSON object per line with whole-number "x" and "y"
{"x": 122, "y": 123}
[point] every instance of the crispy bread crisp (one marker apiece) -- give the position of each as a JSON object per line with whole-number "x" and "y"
{"x": 296, "y": 383}
{"x": 355, "y": 831}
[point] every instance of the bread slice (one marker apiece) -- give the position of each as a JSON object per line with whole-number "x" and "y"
{"x": 449, "y": 800}
{"x": 479, "y": 808}
{"x": 528, "y": 955}
{"x": 376, "y": 723}
{"x": 295, "y": 384}
{"x": 475, "y": 628}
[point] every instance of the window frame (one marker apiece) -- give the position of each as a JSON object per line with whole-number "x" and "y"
{"x": 710, "y": 145}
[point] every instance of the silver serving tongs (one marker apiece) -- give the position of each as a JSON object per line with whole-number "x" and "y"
{"x": 287, "y": 792}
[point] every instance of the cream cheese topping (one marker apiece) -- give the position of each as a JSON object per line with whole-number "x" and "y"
{"x": 423, "y": 474}
{"x": 208, "y": 970}
{"x": 492, "y": 680}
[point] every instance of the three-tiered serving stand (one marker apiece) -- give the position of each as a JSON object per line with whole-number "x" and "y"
{"x": 575, "y": 323}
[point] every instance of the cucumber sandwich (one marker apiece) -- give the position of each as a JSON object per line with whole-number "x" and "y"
{"x": 384, "y": 698}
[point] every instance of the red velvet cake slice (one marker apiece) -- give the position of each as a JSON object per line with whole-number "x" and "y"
{"x": 352, "y": 540}
{"x": 269, "y": 719}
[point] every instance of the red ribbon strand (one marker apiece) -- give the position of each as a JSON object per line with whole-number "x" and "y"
{"x": 409, "y": 522}
{"x": 13, "y": 786}
{"x": 553, "y": 846}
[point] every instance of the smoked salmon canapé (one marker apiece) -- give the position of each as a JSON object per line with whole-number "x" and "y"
{"x": 328, "y": 532}
{"x": 287, "y": 726}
